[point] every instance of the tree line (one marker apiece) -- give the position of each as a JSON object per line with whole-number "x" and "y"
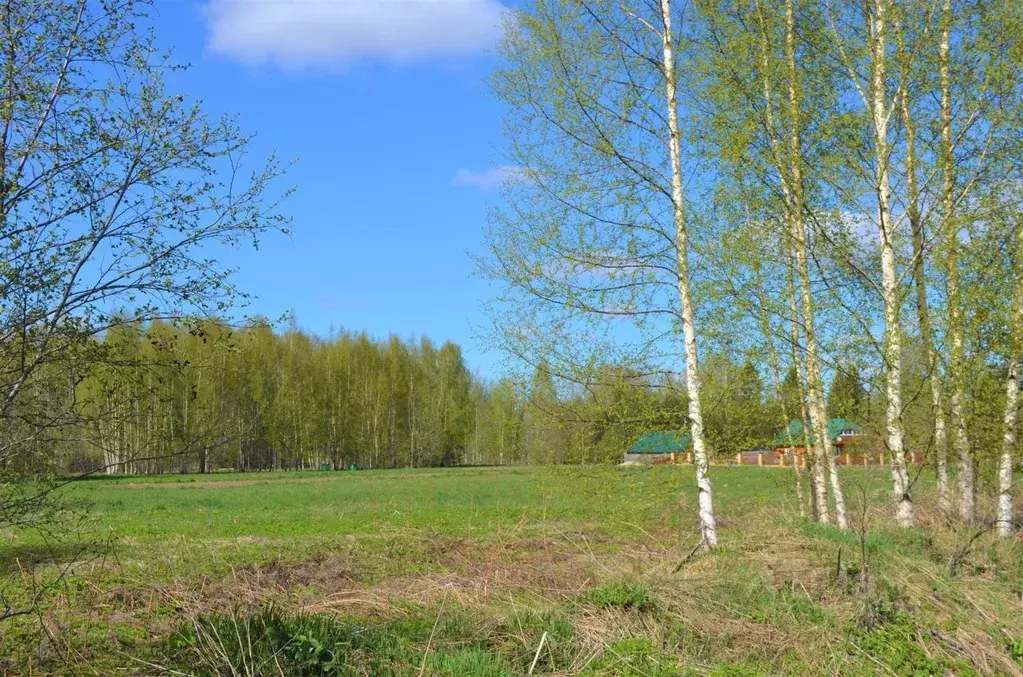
{"x": 200, "y": 395}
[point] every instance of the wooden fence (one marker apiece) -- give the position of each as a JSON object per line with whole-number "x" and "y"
{"x": 775, "y": 459}
{"x": 771, "y": 458}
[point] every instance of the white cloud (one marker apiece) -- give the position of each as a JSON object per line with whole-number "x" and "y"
{"x": 321, "y": 32}
{"x": 489, "y": 179}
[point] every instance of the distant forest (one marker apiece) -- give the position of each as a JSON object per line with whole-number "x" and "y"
{"x": 200, "y": 396}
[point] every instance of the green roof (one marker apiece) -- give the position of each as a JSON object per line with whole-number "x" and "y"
{"x": 662, "y": 442}
{"x": 835, "y": 427}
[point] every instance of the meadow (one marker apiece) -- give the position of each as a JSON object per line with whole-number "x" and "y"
{"x": 505, "y": 571}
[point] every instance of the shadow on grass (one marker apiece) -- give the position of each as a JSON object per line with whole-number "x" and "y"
{"x": 18, "y": 558}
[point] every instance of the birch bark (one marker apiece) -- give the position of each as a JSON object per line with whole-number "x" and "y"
{"x": 708, "y": 527}
{"x": 815, "y": 386}
{"x": 817, "y": 479}
{"x": 955, "y": 311}
{"x": 1005, "y": 515}
{"x": 880, "y": 115}
{"x": 920, "y": 283}
{"x": 773, "y": 139}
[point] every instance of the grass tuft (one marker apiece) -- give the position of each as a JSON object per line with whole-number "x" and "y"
{"x": 622, "y": 595}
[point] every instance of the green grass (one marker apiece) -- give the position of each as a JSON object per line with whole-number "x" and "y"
{"x": 457, "y": 502}
{"x": 465, "y": 571}
{"x": 625, "y": 595}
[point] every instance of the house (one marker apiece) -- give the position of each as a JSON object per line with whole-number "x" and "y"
{"x": 843, "y": 433}
{"x": 659, "y": 446}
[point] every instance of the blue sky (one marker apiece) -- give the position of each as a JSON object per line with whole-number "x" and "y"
{"x": 384, "y": 105}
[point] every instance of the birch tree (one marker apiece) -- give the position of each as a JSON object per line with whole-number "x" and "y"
{"x": 815, "y": 384}
{"x": 811, "y": 442}
{"x": 957, "y": 357}
{"x": 881, "y": 113}
{"x": 1004, "y": 516}
{"x": 872, "y": 89}
{"x": 758, "y": 111}
{"x": 917, "y": 226}
{"x": 973, "y": 59}
{"x": 706, "y": 505}
{"x": 597, "y": 224}
{"x": 803, "y": 318}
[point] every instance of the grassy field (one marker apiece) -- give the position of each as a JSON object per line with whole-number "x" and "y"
{"x": 468, "y": 571}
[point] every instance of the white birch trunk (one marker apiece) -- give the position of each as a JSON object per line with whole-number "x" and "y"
{"x": 814, "y": 383}
{"x": 1005, "y": 517}
{"x": 889, "y": 278}
{"x": 706, "y": 505}
{"x": 920, "y": 284}
{"x": 819, "y": 487}
{"x": 955, "y": 321}
{"x": 940, "y": 433}
{"x": 1005, "y": 513}
{"x": 836, "y": 486}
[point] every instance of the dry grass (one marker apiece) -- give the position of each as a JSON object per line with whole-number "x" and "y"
{"x": 780, "y": 595}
